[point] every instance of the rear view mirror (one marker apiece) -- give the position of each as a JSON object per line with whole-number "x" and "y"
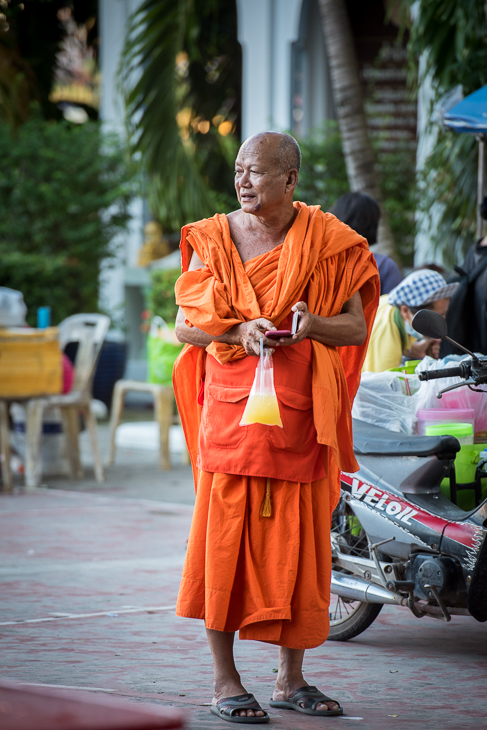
{"x": 430, "y": 324}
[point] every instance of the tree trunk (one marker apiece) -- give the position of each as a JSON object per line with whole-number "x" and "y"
{"x": 349, "y": 108}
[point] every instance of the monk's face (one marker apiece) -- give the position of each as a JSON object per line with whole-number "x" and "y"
{"x": 260, "y": 182}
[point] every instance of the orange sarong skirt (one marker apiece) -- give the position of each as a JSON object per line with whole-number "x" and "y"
{"x": 266, "y": 577}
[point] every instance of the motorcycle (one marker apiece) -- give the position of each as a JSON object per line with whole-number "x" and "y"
{"x": 396, "y": 539}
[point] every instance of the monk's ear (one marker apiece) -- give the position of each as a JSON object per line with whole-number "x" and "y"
{"x": 292, "y": 180}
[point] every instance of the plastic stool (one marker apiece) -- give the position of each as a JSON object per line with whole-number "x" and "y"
{"x": 163, "y": 406}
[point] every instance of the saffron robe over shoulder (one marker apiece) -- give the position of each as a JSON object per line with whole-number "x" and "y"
{"x": 320, "y": 253}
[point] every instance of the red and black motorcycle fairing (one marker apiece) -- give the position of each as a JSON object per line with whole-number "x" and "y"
{"x": 396, "y": 539}
{"x": 421, "y": 526}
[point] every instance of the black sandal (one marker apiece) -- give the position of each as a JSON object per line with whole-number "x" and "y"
{"x": 311, "y": 697}
{"x": 226, "y": 708}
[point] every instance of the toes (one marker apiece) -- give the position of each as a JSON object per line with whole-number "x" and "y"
{"x": 250, "y": 713}
{"x": 327, "y": 706}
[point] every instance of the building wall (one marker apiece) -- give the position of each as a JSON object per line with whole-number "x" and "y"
{"x": 266, "y": 30}
{"x": 312, "y": 100}
{"x": 121, "y": 290}
{"x": 284, "y": 66}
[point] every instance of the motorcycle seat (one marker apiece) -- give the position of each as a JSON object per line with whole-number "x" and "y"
{"x": 374, "y": 440}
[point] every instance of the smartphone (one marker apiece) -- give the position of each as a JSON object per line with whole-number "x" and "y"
{"x": 277, "y": 334}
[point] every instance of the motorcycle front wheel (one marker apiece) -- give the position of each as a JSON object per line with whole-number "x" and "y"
{"x": 349, "y": 618}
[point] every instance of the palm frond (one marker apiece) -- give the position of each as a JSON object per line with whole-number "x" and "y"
{"x": 449, "y": 177}
{"x": 149, "y": 85}
{"x": 450, "y": 37}
{"x": 162, "y": 56}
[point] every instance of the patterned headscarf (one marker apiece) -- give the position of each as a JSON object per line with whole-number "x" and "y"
{"x": 420, "y": 288}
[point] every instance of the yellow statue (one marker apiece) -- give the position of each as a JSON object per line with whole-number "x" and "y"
{"x": 155, "y": 246}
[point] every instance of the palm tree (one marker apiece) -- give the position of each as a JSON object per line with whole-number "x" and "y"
{"x": 450, "y": 38}
{"x": 349, "y": 107}
{"x": 180, "y": 75}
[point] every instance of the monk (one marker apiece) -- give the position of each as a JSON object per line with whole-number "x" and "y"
{"x": 259, "y": 554}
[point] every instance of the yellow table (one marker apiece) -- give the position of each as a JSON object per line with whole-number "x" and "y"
{"x": 30, "y": 367}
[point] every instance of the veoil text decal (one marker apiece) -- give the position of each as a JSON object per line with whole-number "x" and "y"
{"x": 380, "y": 500}
{"x": 471, "y": 536}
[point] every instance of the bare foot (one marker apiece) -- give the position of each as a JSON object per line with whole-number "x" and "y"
{"x": 230, "y": 687}
{"x": 285, "y": 686}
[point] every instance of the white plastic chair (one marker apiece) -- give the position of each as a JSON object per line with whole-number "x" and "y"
{"x": 89, "y": 331}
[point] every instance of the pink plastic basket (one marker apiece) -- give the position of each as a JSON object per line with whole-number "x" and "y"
{"x": 430, "y": 416}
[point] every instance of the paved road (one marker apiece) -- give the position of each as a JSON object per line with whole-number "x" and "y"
{"x": 88, "y": 583}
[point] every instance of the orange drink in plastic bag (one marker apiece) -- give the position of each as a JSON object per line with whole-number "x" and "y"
{"x": 262, "y": 405}
{"x": 262, "y": 409}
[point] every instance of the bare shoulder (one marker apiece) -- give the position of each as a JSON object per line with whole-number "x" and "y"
{"x": 235, "y": 220}
{"x": 195, "y": 262}
{"x": 236, "y": 226}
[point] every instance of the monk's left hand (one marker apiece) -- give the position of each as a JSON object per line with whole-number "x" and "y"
{"x": 304, "y": 325}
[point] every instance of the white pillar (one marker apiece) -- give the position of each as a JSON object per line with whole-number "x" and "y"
{"x": 266, "y": 31}
{"x": 287, "y": 15}
{"x": 113, "y": 17}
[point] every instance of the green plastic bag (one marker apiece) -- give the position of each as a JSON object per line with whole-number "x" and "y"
{"x": 162, "y": 352}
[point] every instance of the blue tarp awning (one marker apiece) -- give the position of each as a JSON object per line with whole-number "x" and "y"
{"x": 470, "y": 114}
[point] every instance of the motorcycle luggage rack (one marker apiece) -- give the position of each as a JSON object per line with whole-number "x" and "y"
{"x": 476, "y": 485}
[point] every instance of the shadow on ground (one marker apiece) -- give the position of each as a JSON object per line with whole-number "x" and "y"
{"x": 88, "y": 594}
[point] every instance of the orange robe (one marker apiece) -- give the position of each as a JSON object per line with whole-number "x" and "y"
{"x": 269, "y": 577}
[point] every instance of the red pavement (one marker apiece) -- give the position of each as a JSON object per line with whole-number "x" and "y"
{"x": 23, "y": 707}
{"x": 88, "y": 585}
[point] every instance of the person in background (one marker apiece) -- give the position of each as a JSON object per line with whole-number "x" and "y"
{"x": 467, "y": 317}
{"x": 393, "y": 335}
{"x": 433, "y": 267}
{"x": 362, "y": 213}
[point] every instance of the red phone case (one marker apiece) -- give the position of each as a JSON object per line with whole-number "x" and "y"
{"x": 277, "y": 334}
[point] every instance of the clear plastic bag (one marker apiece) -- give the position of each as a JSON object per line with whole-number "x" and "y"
{"x": 262, "y": 405}
{"x": 382, "y": 399}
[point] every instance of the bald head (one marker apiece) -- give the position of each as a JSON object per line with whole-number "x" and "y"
{"x": 266, "y": 174}
{"x": 283, "y": 148}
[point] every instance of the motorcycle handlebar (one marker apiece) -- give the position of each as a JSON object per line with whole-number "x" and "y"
{"x": 444, "y": 373}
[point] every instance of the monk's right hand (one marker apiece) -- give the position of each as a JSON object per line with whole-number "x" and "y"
{"x": 249, "y": 335}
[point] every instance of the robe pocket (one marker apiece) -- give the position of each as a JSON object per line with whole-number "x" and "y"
{"x": 301, "y": 353}
{"x": 223, "y": 410}
{"x": 298, "y": 433}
